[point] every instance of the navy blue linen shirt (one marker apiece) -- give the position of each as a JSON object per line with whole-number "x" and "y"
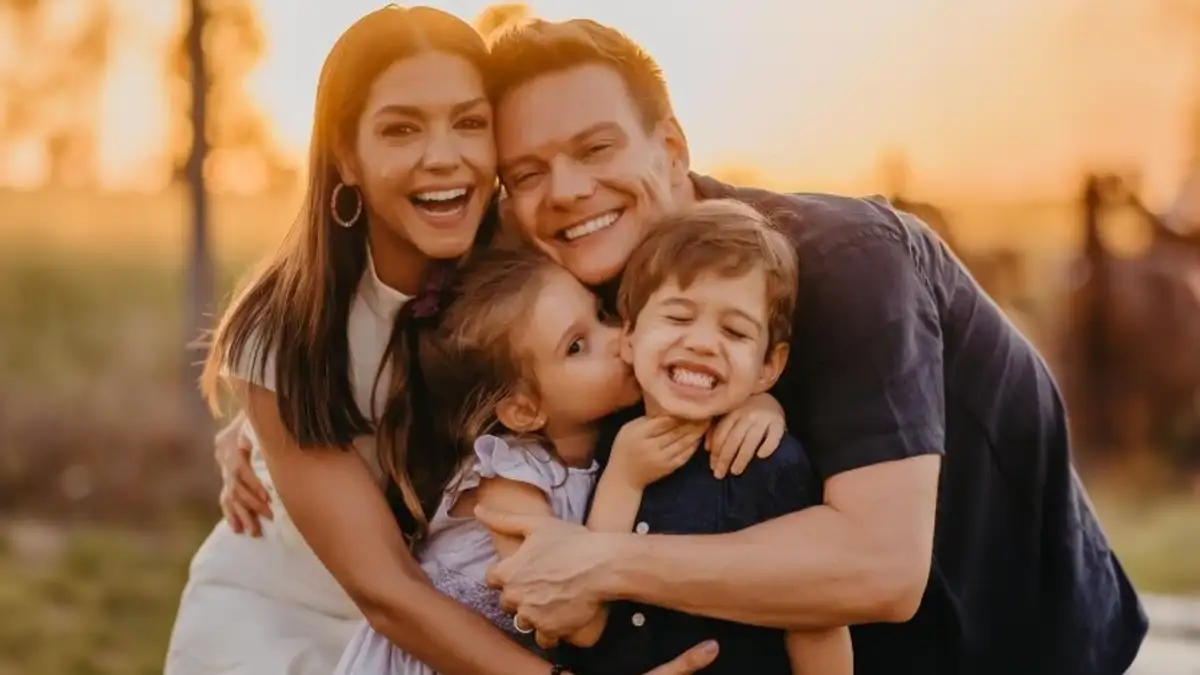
{"x": 897, "y": 352}
{"x": 690, "y": 500}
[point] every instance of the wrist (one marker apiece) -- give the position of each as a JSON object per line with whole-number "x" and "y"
{"x": 620, "y": 556}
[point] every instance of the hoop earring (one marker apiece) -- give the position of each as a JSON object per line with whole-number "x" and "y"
{"x": 333, "y": 206}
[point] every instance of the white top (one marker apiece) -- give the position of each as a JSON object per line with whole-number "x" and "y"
{"x": 267, "y": 605}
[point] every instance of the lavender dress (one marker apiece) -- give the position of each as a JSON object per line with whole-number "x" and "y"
{"x": 458, "y": 551}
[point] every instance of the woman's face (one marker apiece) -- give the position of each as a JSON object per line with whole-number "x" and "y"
{"x": 424, "y": 158}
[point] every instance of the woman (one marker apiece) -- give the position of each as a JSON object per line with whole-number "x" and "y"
{"x": 401, "y": 174}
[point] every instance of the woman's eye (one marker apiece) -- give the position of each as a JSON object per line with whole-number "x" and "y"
{"x": 399, "y": 129}
{"x": 677, "y": 318}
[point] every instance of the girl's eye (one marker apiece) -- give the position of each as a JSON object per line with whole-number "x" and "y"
{"x": 736, "y": 334}
{"x": 675, "y": 318}
{"x": 576, "y": 346}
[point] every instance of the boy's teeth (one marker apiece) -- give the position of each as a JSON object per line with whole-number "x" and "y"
{"x": 594, "y": 225}
{"x": 441, "y": 195}
{"x": 691, "y": 378}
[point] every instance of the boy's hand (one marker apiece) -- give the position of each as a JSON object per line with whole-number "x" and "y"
{"x": 753, "y": 430}
{"x": 649, "y": 448}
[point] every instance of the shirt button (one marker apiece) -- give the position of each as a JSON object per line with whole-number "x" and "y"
{"x": 638, "y": 619}
{"x": 642, "y": 528}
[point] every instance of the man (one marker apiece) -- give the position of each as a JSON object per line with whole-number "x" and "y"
{"x": 911, "y": 391}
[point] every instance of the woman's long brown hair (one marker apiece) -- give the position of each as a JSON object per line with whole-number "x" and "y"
{"x": 295, "y": 310}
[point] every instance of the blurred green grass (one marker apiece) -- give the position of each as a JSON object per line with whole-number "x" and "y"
{"x": 91, "y": 389}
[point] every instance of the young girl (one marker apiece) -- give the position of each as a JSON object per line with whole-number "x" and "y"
{"x": 512, "y": 366}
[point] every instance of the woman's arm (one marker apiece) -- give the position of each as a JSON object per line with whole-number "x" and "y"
{"x": 344, "y": 518}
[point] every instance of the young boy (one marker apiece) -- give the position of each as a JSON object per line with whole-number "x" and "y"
{"x": 707, "y": 301}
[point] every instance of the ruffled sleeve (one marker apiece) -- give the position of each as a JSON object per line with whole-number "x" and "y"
{"x": 497, "y": 457}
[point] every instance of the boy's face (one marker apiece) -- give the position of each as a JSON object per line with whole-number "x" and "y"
{"x": 699, "y": 352}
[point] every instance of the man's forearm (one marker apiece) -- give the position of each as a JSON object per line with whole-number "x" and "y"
{"x": 811, "y": 569}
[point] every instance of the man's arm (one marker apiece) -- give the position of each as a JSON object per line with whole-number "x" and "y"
{"x": 865, "y": 389}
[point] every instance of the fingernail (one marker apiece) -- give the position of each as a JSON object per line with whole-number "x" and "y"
{"x": 709, "y": 648}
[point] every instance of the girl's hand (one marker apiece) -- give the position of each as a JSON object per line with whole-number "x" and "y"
{"x": 649, "y": 448}
{"x": 753, "y": 430}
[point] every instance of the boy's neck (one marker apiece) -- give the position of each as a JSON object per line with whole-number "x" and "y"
{"x": 576, "y": 447}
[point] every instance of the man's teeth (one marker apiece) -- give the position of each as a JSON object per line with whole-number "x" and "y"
{"x": 441, "y": 195}
{"x": 690, "y": 378}
{"x": 594, "y": 225}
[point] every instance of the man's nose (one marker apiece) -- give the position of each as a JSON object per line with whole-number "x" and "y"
{"x": 569, "y": 184}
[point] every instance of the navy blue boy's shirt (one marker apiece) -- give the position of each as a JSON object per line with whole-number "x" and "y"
{"x": 691, "y": 500}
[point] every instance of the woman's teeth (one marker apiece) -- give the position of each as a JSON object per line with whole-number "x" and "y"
{"x": 441, "y": 201}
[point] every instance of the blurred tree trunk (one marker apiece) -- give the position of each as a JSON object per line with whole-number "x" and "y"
{"x": 200, "y": 273}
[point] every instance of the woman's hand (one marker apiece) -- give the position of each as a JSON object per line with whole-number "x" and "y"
{"x": 691, "y": 661}
{"x": 648, "y": 448}
{"x": 753, "y": 430}
{"x": 243, "y": 497}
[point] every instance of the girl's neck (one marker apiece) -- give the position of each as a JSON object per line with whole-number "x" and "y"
{"x": 576, "y": 447}
{"x": 398, "y": 263}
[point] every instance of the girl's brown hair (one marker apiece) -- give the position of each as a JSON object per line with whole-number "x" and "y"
{"x": 296, "y": 309}
{"x": 454, "y": 359}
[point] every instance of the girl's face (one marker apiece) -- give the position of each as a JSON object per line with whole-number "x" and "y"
{"x": 574, "y": 356}
{"x": 424, "y": 158}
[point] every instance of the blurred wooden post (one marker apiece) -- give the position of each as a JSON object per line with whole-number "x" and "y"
{"x": 200, "y": 273}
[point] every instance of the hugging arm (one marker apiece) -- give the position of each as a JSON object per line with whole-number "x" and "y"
{"x": 344, "y": 517}
{"x": 868, "y": 372}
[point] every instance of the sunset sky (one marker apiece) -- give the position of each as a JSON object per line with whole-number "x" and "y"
{"x": 990, "y": 97}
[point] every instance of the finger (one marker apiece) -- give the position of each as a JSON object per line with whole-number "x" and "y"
{"x": 246, "y": 471}
{"x": 755, "y": 435}
{"x": 503, "y": 522}
{"x": 231, "y": 517}
{"x": 509, "y": 602}
{"x": 725, "y": 451}
{"x": 253, "y": 484}
{"x": 250, "y": 524}
{"x": 545, "y": 641}
{"x": 721, "y": 429}
{"x": 246, "y": 497}
{"x": 497, "y": 577}
{"x": 700, "y": 656}
{"x": 656, "y": 427}
{"x": 771, "y": 443}
{"x": 684, "y": 446}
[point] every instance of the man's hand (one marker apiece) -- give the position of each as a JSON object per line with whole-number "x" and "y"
{"x": 243, "y": 497}
{"x": 550, "y": 580}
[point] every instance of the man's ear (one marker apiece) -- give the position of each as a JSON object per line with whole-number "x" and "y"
{"x": 678, "y": 153}
{"x": 521, "y": 413}
{"x": 773, "y": 367}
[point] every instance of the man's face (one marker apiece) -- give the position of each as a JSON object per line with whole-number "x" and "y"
{"x": 583, "y": 174}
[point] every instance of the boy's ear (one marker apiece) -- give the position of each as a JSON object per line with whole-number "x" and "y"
{"x": 777, "y": 357}
{"x": 521, "y": 413}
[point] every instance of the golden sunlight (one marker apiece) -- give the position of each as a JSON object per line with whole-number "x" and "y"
{"x": 996, "y": 98}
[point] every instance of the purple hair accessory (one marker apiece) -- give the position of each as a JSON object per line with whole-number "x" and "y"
{"x": 428, "y": 302}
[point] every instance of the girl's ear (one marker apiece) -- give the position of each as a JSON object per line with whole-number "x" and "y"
{"x": 521, "y": 413}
